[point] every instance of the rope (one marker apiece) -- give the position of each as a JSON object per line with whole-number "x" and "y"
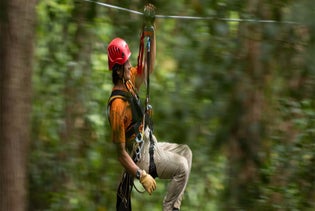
{"x": 193, "y": 17}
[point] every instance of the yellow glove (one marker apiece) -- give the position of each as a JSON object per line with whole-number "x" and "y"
{"x": 147, "y": 182}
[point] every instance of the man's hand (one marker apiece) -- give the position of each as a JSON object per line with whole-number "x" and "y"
{"x": 149, "y": 14}
{"x": 147, "y": 182}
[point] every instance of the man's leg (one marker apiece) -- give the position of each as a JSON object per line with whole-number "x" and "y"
{"x": 173, "y": 162}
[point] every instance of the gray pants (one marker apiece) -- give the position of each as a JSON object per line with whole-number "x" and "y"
{"x": 173, "y": 161}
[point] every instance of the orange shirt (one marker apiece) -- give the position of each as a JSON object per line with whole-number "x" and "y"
{"x": 120, "y": 114}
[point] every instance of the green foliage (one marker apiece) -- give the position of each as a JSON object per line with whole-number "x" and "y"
{"x": 200, "y": 93}
{"x": 292, "y": 157}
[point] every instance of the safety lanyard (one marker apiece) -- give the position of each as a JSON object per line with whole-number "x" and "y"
{"x": 145, "y": 68}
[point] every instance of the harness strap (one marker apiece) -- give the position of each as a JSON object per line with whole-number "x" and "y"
{"x": 140, "y": 55}
{"x": 152, "y": 166}
{"x": 136, "y": 109}
{"x": 133, "y": 129}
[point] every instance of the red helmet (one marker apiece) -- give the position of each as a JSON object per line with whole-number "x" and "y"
{"x": 118, "y": 52}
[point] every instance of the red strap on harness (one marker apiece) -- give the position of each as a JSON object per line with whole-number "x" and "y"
{"x": 140, "y": 55}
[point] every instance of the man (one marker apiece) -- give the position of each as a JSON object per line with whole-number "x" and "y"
{"x": 170, "y": 161}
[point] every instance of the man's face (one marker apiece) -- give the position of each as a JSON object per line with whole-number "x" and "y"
{"x": 127, "y": 67}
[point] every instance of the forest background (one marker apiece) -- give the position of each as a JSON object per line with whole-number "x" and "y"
{"x": 240, "y": 93}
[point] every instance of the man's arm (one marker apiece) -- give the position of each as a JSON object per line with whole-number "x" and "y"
{"x": 149, "y": 18}
{"x": 125, "y": 159}
{"x": 141, "y": 77}
{"x": 153, "y": 51}
{"x": 148, "y": 30}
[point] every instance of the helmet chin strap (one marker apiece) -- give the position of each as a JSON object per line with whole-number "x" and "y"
{"x": 123, "y": 75}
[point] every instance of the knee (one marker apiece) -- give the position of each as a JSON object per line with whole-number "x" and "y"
{"x": 187, "y": 153}
{"x": 183, "y": 167}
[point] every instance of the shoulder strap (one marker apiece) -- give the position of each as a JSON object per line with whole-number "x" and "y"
{"x": 136, "y": 108}
{"x": 118, "y": 94}
{"x": 114, "y": 95}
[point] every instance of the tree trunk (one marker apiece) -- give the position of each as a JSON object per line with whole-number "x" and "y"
{"x": 245, "y": 146}
{"x": 16, "y": 45}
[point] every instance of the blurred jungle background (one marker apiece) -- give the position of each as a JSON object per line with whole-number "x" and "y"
{"x": 240, "y": 93}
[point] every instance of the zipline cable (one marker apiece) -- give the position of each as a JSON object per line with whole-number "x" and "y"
{"x": 114, "y": 7}
{"x": 193, "y": 17}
